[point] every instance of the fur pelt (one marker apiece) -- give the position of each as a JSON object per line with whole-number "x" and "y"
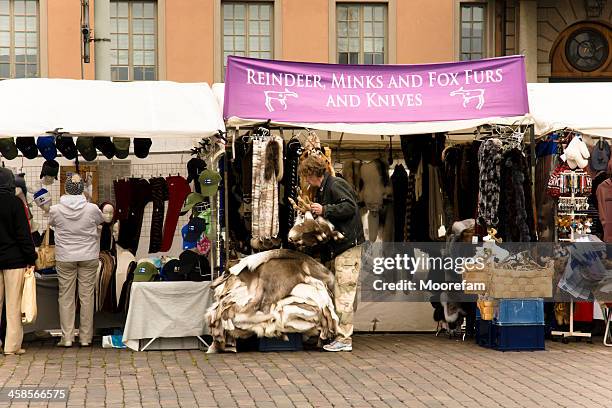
{"x": 274, "y": 160}
{"x": 351, "y": 172}
{"x": 375, "y": 179}
{"x": 271, "y": 294}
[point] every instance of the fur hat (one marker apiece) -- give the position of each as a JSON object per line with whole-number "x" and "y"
{"x": 576, "y": 154}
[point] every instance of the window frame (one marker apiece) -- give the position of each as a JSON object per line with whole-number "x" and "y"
{"x": 484, "y": 46}
{"x": 362, "y": 37}
{"x": 130, "y": 34}
{"x": 247, "y": 35}
{"x": 12, "y": 32}
{"x": 489, "y": 27}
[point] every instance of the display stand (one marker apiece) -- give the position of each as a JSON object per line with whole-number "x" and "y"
{"x": 572, "y": 213}
{"x": 571, "y": 333}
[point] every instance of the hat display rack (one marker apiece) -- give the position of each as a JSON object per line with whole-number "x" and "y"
{"x": 210, "y": 150}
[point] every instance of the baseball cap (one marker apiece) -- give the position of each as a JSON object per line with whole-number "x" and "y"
{"x": 142, "y": 147}
{"x": 8, "y": 148}
{"x": 122, "y": 147}
{"x": 191, "y": 200}
{"x": 186, "y": 243}
{"x": 145, "y": 272}
{"x": 209, "y": 180}
{"x": 86, "y": 147}
{"x": 195, "y": 228}
{"x": 42, "y": 197}
{"x": 194, "y": 267}
{"x": 171, "y": 271}
{"x": 105, "y": 146}
{"x": 50, "y": 168}
{"x": 46, "y": 145}
{"x": 195, "y": 166}
{"x": 66, "y": 146}
{"x": 27, "y": 147}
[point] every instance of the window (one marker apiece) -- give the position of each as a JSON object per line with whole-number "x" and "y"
{"x": 133, "y": 40}
{"x": 247, "y": 30}
{"x": 473, "y": 30}
{"x": 361, "y": 33}
{"x": 19, "y": 39}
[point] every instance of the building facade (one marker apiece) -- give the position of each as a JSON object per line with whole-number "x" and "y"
{"x": 189, "y": 40}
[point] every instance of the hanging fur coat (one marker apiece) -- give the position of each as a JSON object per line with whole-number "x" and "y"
{"x": 267, "y": 172}
{"x": 270, "y": 294}
{"x": 489, "y": 161}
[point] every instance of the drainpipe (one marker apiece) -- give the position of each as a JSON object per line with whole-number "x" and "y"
{"x": 102, "y": 45}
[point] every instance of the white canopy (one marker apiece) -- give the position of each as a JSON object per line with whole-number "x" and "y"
{"x": 582, "y": 106}
{"x": 154, "y": 109}
{"x": 397, "y": 128}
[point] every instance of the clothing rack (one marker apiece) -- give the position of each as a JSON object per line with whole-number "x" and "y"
{"x": 571, "y": 333}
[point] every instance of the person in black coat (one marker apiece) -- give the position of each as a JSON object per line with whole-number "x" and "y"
{"x": 336, "y": 200}
{"x": 17, "y": 252}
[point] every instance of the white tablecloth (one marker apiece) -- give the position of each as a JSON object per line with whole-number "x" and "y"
{"x": 166, "y": 309}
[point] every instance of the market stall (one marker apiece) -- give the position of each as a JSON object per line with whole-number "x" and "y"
{"x": 573, "y": 148}
{"x": 164, "y": 136}
{"x": 295, "y": 100}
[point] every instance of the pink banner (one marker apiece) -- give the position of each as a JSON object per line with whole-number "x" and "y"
{"x": 318, "y": 93}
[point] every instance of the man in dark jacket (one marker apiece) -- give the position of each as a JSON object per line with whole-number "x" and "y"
{"x": 16, "y": 253}
{"x": 337, "y": 201}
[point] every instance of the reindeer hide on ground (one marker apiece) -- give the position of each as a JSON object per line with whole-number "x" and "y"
{"x": 271, "y": 294}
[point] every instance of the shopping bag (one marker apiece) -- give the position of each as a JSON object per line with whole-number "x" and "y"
{"x": 28, "y": 298}
{"x": 46, "y": 254}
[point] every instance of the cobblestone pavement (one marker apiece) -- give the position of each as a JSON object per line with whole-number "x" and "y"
{"x": 382, "y": 371}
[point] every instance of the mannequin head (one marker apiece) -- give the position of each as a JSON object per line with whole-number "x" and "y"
{"x": 108, "y": 212}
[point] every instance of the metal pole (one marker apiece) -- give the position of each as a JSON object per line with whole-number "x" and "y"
{"x": 102, "y": 43}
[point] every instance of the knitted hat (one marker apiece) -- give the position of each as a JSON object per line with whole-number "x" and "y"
{"x": 8, "y": 149}
{"x": 74, "y": 185}
{"x": 105, "y": 146}
{"x": 42, "y": 197}
{"x": 66, "y": 146}
{"x": 85, "y": 146}
{"x": 142, "y": 147}
{"x": 27, "y": 146}
{"x": 46, "y": 145}
{"x": 50, "y": 168}
{"x": 122, "y": 147}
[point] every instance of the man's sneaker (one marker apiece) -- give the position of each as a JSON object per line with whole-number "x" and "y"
{"x": 338, "y": 346}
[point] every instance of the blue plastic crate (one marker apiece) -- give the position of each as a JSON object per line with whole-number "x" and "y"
{"x": 271, "y": 344}
{"x": 519, "y": 337}
{"x": 520, "y": 312}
